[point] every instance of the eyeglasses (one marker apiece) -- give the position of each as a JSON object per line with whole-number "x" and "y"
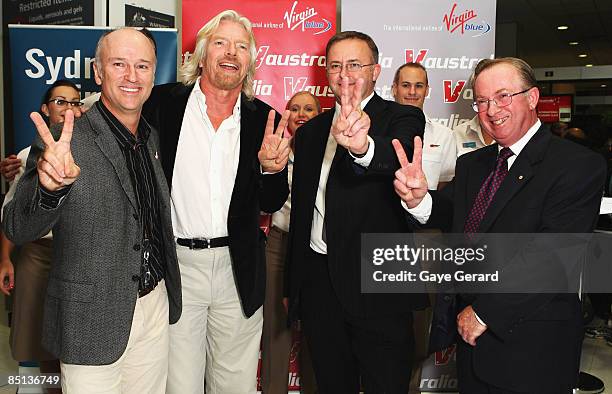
{"x": 500, "y": 100}
{"x": 335, "y": 68}
{"x": 63, "y": 103}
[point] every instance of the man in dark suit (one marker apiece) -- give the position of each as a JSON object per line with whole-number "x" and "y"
{"x": 529, "y": 182}
{"x": 114, "y": 283}
{"x": 344, "y": 164}
{"x": 224, "y": 164}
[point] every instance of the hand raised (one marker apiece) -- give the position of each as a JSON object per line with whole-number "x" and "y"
{"x": 410, "y": 182}
{"x": 351, "y": 126}
{"x": 275, "y": 146}
{"x": 56, "y": 167}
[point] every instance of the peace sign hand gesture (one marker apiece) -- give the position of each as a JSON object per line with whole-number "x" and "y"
{"x": 56, "y": 167}
{"x": 351, "y": 126}
{"x": 410, "y": 182}
{"x": 275, "y": 147}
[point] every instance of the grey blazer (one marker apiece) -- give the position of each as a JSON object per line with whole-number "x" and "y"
{"x": 92, "y": 290}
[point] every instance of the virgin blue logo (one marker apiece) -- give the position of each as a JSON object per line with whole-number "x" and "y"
{"x": 304, "y": 19}
{"x": 463, "y": 22}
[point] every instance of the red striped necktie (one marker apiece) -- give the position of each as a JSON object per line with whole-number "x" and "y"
{"x": 487, "y": 191}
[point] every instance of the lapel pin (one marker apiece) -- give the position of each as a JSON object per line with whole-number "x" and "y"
{"x": 156, "y": 156}
{"x": 520, "y": 177}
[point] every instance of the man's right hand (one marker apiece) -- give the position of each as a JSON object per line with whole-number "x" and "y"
{"x": 56, "y": 167}
{"x": 9, "y": 167}
{"x": 410, "y": 182}
{"x": 7, "y": 277}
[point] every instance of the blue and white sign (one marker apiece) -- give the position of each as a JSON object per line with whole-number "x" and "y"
{"x": 43, "y": 54}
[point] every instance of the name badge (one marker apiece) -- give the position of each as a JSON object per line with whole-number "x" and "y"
{"x": 470, "y": 144}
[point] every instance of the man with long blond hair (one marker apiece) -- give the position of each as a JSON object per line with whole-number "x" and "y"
{"x": 224, "y": 159}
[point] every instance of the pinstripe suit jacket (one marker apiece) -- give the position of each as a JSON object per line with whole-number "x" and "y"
{"x": 96, "y": 232}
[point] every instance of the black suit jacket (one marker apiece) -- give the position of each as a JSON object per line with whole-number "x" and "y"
{"x": 253, "y": 192}
{"x": 357, "y": 201}
{"x": 554, "y": 186}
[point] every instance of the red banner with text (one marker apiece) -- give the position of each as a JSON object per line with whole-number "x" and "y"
{"x": 291, "y": 37}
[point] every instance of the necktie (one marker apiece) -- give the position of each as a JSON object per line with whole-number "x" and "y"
{"x": 487, "y": 191}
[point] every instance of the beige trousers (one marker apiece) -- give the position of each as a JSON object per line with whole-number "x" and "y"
{"x": 212, "y": 340}
{"x": 143, "y": 366}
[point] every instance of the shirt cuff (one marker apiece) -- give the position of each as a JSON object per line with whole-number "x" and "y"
{"x": 52, "y": 200}
{"x": 422, "y": 211}
{"x": 479, "y": 320}
{"x": 262, "y": 172}
{"x": 365, "y": 160}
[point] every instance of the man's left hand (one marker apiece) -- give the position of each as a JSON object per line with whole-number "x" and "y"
{"x": 351, "y": 126}
{"x": 468, "y": 326}
{"x": 275, "y": 146}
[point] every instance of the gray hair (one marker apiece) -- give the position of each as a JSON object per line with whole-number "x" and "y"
{"x": 190, "y": 70}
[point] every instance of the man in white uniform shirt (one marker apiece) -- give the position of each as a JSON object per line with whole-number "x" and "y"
{"x": 410, "y": 87}
{"x": 224, "y": 162}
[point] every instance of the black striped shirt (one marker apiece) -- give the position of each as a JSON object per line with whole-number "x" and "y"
{"x": 140, "y": 167}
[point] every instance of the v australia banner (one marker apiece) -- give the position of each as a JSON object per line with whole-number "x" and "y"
{"x": 291, "y": 37}
{"x": 43, "y": 54}
{"x": 447, "y": 37}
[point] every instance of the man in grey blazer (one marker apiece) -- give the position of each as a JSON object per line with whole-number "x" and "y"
{"x": 114, "y": 284}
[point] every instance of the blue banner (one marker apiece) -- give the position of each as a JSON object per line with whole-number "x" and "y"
{"x": 41, "y": 55}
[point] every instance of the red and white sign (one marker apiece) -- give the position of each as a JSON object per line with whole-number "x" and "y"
{"x": 553, "y": 109}
{"x": 291, "y": 36}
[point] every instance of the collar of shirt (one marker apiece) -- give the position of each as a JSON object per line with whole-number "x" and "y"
{"x": 473, "y": 126}
{"x": 126, "y": 139}
{"x": 291, "y": 157}
{"x": 364, "y": 102}
{"x": 201, "y": 97}
{"x": 519, "y": 145}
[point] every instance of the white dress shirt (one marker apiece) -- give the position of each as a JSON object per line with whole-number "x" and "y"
{"x": 204, "y": 170}
{"x": 439, "y": 153}
{"x": 316, "y": 233}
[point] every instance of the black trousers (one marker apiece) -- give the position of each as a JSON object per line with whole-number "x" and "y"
{"x": 344, "y": 348}
{"x": 469, "y": 383}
